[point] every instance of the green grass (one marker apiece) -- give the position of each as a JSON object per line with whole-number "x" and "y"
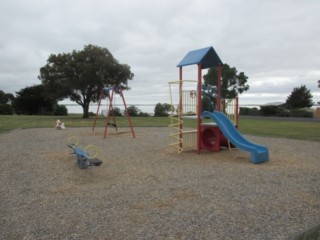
{"x": 262, "y": 126}
{"x": 10, "y": 122}
{"x": 281, "y": 128}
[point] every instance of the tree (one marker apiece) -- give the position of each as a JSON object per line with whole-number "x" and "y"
{"x": 5, "y": 97}
{"x": 60, "y": 110}
{"x": 32, "y": 101}
{"x": 6, "y": 109}
{"x": 81, "y": 75}
{"x": 232, "y": 82}
{"x": 5, "y": 103}
{"x": 300, "y": 97}
{"x": 117, "y": 112}
{"x": 133, "y": 111}
{"x": 318, "y": 87}
{"x": 144, "y": 114}
{"x": 162, "y": 110}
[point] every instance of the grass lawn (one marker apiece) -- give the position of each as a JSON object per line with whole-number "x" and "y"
{"x": 262, "y": 126}
{"x": 281, "y": 128}
{"x": 10, "y": 122}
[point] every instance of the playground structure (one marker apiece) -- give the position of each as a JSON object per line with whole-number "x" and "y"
{"x": 210, "y": 136}
{"x": 105, "y": 93}
{"x": 85, "y": 157}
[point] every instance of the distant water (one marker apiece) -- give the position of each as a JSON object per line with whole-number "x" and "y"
{"x": 146, "y": 108}
{"x": 74, "y": 108}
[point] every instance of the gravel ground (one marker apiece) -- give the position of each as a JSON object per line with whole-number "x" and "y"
{"x": 142, "y": 191}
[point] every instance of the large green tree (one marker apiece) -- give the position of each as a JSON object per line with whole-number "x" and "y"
{"x": 32, "y": 101}
{"x": 6, "y": 97}
{"x": 232, "y": 83}
{"x": 300, "y": 97}
{"x": 81, "y": 75}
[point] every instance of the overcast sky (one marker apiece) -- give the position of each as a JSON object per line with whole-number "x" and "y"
{"x": 276, "y": 43}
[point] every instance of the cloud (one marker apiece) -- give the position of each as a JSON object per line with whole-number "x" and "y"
{"x": 275, "y": 43}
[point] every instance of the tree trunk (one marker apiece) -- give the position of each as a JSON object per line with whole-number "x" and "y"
{"x": 85, "y": 108}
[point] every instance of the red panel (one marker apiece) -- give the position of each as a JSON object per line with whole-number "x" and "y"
{"x": 210, "y": 138}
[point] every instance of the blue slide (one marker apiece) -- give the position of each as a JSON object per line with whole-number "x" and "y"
{"x": 258, "y": 152}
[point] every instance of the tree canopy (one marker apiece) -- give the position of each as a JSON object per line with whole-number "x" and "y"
{"x": 81, "y": 75}
{"x": 5, "y": 103}
{"x": 32, "y": 101}
{"x": 5, "y": 97}
{"x": 162, "y": 109}
{"x": 133, "y": 111}
{"x": 232, "y": 83}
{"x": 300, "y": 97}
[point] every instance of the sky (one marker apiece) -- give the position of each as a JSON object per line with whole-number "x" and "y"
{"x": 275, "y": 42}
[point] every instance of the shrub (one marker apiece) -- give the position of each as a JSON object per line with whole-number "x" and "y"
{"x": 283, "y": 113}
{"x": 301, "y": 113}
{"x": 144, "y": 114}
{"x": 60, "y": 110}
{"x": 270, "y": 110}
{"x": 244, "y": 111}
{"x": 254, "y": 112}
{"x": 249, "y": 111}
{"x": 92, "y": 114}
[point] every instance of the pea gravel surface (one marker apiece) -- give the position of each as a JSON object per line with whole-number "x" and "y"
{"x": 144, "y": 191}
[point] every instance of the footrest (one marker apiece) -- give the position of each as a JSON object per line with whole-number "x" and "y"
{"x": 95, "y": 161}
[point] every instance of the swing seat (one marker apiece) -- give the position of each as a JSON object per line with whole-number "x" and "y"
{"x": 112, "y": 124}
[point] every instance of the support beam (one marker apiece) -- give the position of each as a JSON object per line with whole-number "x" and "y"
{"x": 219, "y": 87}
{"x": 180, "y": 107}
{"x": 199, "y": 110}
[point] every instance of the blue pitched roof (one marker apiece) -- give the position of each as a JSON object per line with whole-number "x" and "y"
{"x": 207, "y": 57}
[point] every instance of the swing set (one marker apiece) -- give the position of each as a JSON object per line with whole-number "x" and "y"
{"x": 109, "y": 93}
